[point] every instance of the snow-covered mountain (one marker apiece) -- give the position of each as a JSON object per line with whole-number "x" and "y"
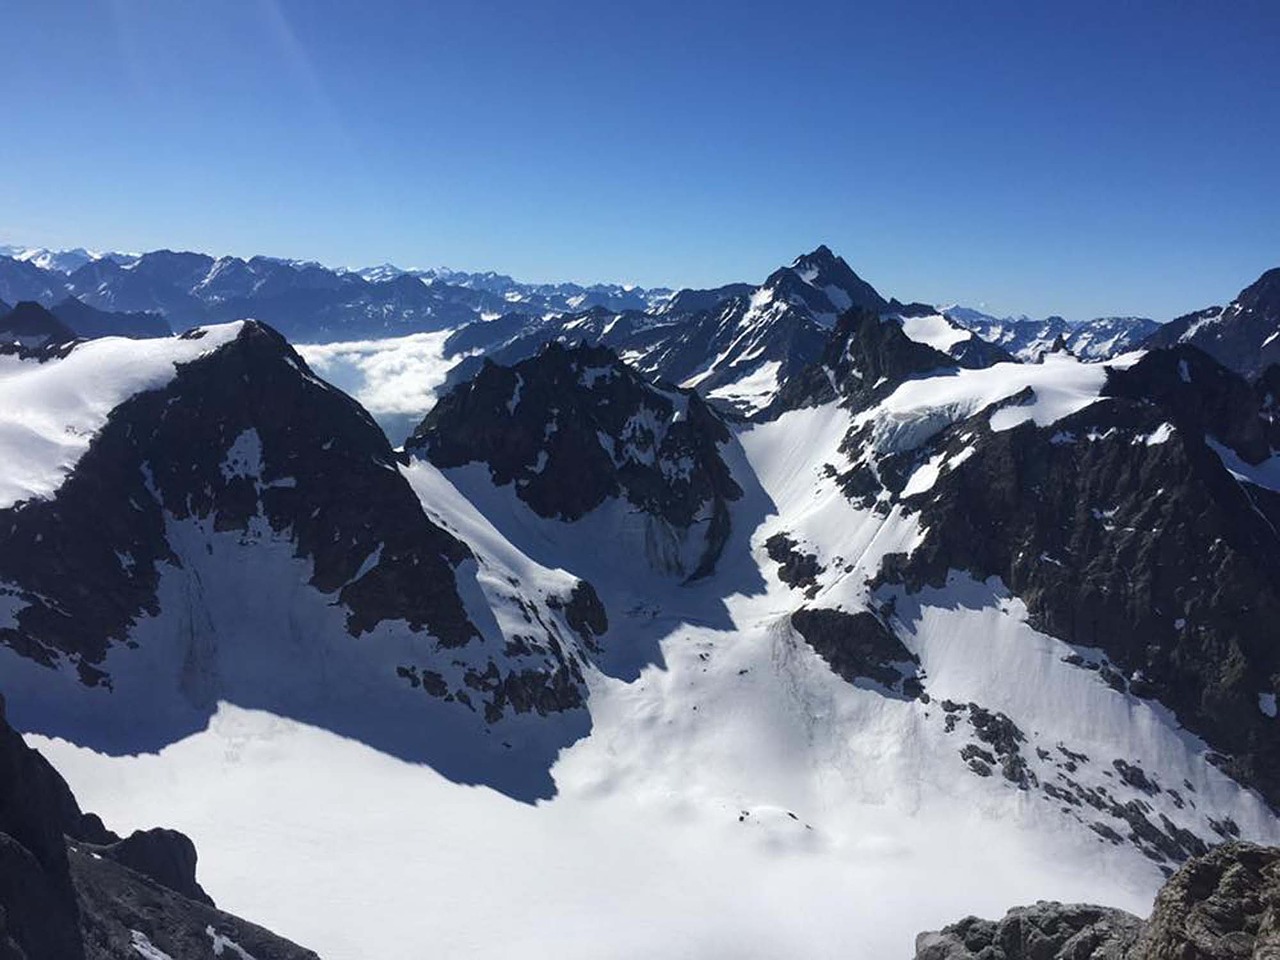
{"x": 735, "y": 346}
{"x": 307, "y": 301}
{"x": 1244, "y": 335}
{"x": 775, "y": 687}
{"x": 1099, "y": 339}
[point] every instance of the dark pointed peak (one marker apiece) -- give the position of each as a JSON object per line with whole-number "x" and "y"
{"x": 31, "y": 321}
{"x": 829, "y": 273}
{"x": 1263, "y": 294}
{"x": 819, "y": 255}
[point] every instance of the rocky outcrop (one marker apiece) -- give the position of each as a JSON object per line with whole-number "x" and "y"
{"x": 574, "y": 427}
{"x": 72, "y": 890}
{"x": 1224, "y": 905}
{"x": 1044, "y": 931}
{"x": 1128, "y": 527}
{"x": 858, "y": 646}
{"x": 865, "y": 358}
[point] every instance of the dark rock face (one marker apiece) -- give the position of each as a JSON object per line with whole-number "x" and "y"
{"x": 166, "y": 856}
{"x": 795, "y": 568}
{"x": 864, "y": 359}
{"x": 858, "y": 646}
{"x": 1121, "y": 528}
{"x": 573, "y": 427}
{"x": 1240, "y": 336}
{"x": 1222, "y": 905}
{"x": 70, "y": 889}
{"x": 31, "y": 325}
{"x": 327, "y": 475}
{"x": 38, "y": 912}
{"x": 1045, "y": 931}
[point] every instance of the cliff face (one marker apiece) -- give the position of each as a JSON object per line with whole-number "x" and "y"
{"x": 1224, "y": 905}
{"x": 70, "y": 889}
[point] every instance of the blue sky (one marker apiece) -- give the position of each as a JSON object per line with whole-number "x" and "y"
{"x": 1081, "y": 158}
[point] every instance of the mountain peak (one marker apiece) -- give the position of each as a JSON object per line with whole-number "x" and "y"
{"x": 829, "y": 273}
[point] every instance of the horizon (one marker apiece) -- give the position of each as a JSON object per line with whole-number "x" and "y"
{"x": 13, "y": 249}
{"x": 1025, "y": 160}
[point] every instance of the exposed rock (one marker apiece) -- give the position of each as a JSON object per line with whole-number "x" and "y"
{"x": 858, "y": 646}
{"x": 1222, "y": 905}
{"x": 1044, "y": 931}
{"x": 72, "y": 890}
{"x": 574, "y": 427}
{"x": 795, "y": 569}
{"x": 864, "y": 358}
{"x": 166, "y": 856}
{"x": 1121, "y": 528}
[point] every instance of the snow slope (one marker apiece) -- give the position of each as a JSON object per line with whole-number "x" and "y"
{"x": 50, "y": 410}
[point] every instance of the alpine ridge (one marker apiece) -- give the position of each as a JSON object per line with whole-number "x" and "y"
{"x": 760, "y": 592}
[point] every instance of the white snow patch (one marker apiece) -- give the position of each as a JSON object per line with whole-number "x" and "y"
{"x": 935, "y": 331}
{"x": 51, "y": 411}
{"x": 219, "y": 943}
{"x": 143, "y": 946}
{"x": 1159, "y": 435}
{"x": 1265, "y": 474}
{"x": 920, "y": 408}
{"x": 1267, "y": 703}
{"x": 752, "y": 392}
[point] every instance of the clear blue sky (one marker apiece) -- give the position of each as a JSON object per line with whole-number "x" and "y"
{"x": 1080, "y": 158}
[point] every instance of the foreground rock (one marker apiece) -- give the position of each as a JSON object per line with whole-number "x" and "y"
{"x": 1224, "y": 905}
{"x": 71, "y": 889}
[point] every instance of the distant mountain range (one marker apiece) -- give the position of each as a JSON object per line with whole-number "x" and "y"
{"x": 735, "y": 344}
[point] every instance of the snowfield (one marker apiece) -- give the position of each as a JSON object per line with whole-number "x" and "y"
{"x": 733, "y": 797}
{"x": 50, "y": 411}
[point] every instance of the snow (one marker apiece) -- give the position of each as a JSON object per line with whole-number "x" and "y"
{"x": 1265, "y": 474}
{"x": 244, "y": 457}
{"x": 935, "y": 331}
{"x": 1267, "y": 703}
{"x": 397, "y": 379}
{"x": 51, "y": 411}
{"x": 920, "y": 408}
{"x": 1159, "y": 435}
{"x": 143, "y": 946}
{"x": 752, "y": 392}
